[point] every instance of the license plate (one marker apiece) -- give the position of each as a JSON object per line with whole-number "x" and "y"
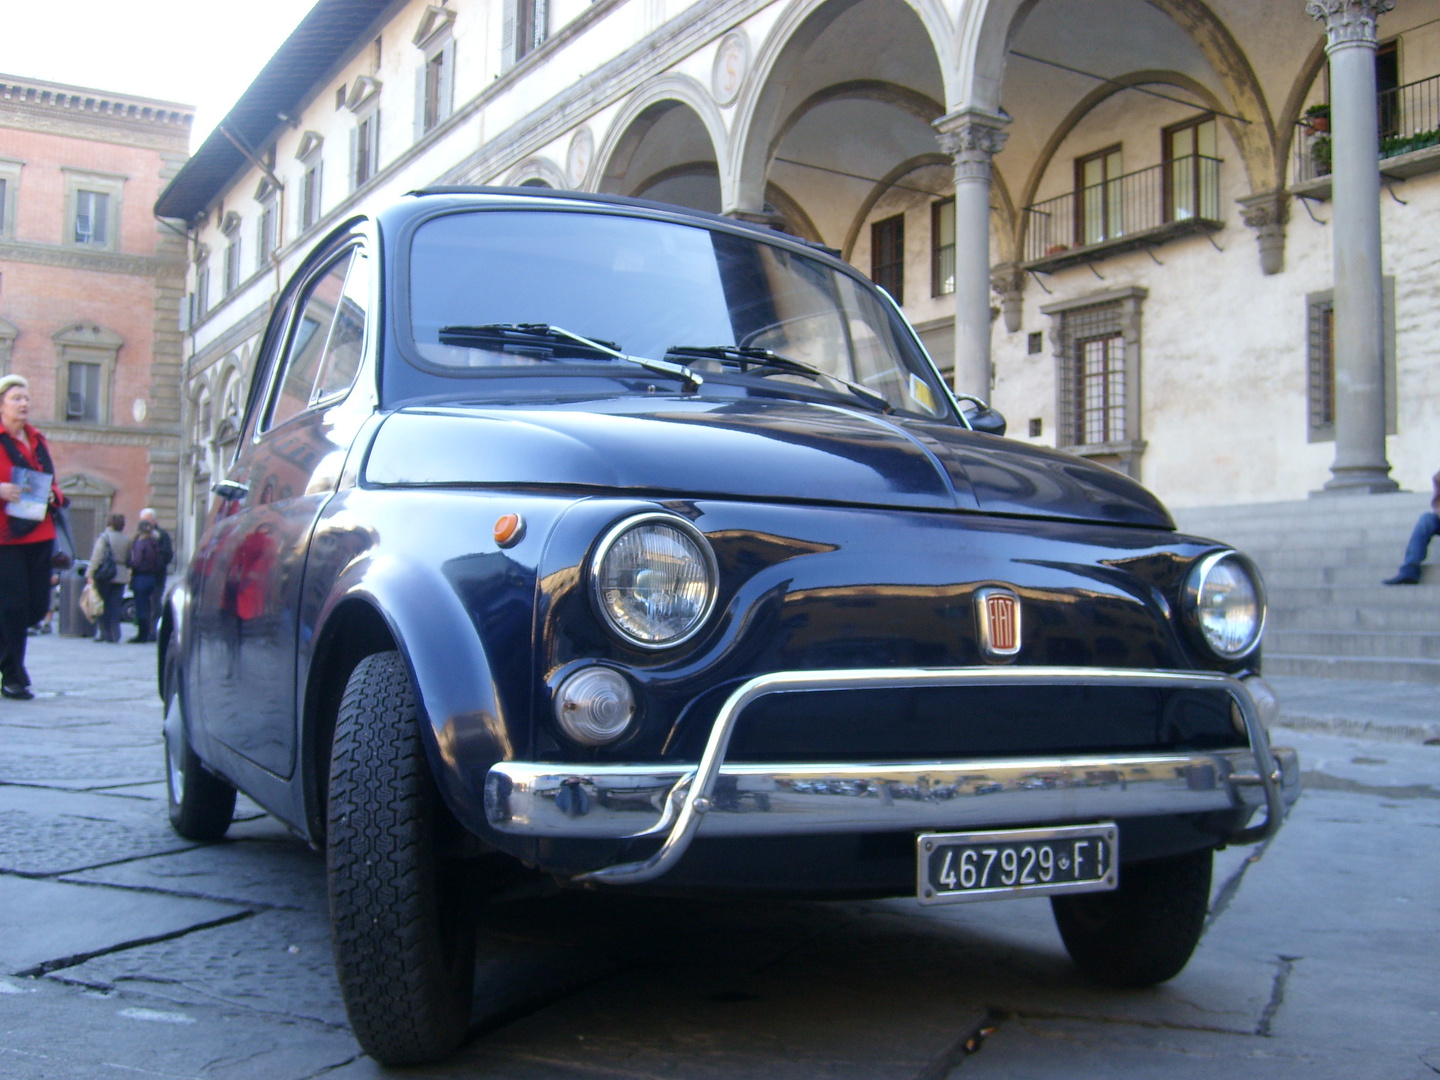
{"x": 956, "y": 867}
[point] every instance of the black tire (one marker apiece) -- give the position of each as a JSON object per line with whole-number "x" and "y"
{"x": 201, "y": 804}
{"x": 402, "y": 913}
{"x": 1145, "y": 931}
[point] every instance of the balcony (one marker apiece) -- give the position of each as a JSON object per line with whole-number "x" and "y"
{"x": 1409, "y": 139}
{"x": 1141, "y": 209}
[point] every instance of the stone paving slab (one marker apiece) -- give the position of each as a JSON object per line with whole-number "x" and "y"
{"x": 47, "y": 832}
{"x": 276, "y": 963}
{"x": 275, "y": 872}
{"x": 49, "y": 1031}
{"x": 50, "y": 922}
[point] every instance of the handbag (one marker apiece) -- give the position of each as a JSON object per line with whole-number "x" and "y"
{"x": 104, "y": 571}
{"x": 63, "y": 556}
{"x": 91, "y": 603}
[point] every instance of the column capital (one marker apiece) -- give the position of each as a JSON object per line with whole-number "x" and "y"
{"x": 1348, "y": 22}
{"x": 1268, "y": 213}
{"x": 971, "y": 137}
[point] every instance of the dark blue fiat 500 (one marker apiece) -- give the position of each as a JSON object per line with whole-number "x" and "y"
{"x": 646, "y": 549}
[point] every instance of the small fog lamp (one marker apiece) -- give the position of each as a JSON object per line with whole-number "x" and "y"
{"x": 595, "y": 706}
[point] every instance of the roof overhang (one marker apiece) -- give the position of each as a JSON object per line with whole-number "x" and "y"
{"x": 325, "y": 37}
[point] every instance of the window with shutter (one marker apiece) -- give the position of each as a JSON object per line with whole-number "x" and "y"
{"x": 887, "y": 256}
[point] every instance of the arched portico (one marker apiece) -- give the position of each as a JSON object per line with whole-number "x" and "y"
{"x": 536, "y": 172}
{"x": 663, "y": 146}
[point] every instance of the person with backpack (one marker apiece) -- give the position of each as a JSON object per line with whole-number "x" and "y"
{"x": 146, "y": 566}
{"x": 109, "y": 572}
{"x": 167, "y": 556}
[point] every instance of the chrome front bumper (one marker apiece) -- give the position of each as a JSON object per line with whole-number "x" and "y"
{"x": 715, "y": 798}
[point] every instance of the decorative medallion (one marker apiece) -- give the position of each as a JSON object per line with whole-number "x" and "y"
{"x": 997, "y": 615}
{"x": 732, "y": 60}
{"x": 577, "y": 161}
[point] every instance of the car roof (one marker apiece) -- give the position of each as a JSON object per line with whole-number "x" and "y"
{"x": 458, "y": 192}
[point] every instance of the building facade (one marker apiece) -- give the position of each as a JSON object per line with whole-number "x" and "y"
{"x": 1120, "y": 220}
{"x": 90, "y": 289}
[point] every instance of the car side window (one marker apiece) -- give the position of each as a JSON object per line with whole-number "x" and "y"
{"x": 326, "y": 339}
{"x": 347, "y": 335}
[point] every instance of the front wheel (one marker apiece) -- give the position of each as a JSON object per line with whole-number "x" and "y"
{"x": 1145, "y": 931}
{"x": 201, "y": 804}
{"x": 401, "y": 914}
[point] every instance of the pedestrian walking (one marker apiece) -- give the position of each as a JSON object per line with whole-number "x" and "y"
{"x": 145, "y": 568}
{"x": 109, "y": 572}
{"x": 1424, "y": 532}
{"x": 27, "y": 531}
{"x": 167, "y": 556}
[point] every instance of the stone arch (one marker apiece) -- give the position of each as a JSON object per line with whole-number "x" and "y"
{"x": 1227, "y": 59}
{"x": 1086, "y": 105}
{"x": 789, "y": 208}
{"x": 985, "y": 42}
{"x": 647, "y": 107}
{"x": 228, "y": 401}
{"x": 757, "y": 119}
{"x": 91, "y": 500}
{"x": 1294, "y": 102}
{"x": 907, "y": 100}
{"x": 886, "y": 182}
{"x": 537, "y": 172}
{"x": 982, "y": 46}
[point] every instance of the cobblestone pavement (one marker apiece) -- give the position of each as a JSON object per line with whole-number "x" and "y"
{"x": 125, "y": 951}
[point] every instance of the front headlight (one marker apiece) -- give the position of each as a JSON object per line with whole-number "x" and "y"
{"x": 654, "y": 579}
{"x": 1225, "y": 603}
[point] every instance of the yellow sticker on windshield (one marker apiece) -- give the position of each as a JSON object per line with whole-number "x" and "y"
{"x": 921, "y": 392}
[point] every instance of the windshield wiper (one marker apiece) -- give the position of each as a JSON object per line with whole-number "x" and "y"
{"x": 763, "y": 361}
{"x": 544, "y": 335}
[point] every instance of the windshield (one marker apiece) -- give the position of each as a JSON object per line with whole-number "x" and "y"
{"x": 651, "y": 288}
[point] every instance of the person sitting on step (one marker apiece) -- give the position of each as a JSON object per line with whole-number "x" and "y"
{"x": 1425, "y": 529}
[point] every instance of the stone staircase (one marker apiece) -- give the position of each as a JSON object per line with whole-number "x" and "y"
{"x": 1323, "y": 560}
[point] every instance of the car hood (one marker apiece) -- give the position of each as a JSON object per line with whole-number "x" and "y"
{"x": 754, "y": 448}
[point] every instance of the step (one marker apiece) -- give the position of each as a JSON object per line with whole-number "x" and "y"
{"x": 1331, "y": 667}
{"x": 1305, "y": 511}
{"x": 1382, "y": 558}
{"x": 1362, "y": 644}
{"x": 1371, "y": 535}
{"x": 1376, "y": 596}
{"x": 1311, "y": 577}
{"x": 1414, "y": 619}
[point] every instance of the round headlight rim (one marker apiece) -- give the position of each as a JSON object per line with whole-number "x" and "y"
{"x": 1195, "y": 580}
{"x": 608, "y": 540}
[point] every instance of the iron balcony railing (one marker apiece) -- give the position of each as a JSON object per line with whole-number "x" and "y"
{"x": 1409, "y": 118}
{"x": 1182, "y": 190}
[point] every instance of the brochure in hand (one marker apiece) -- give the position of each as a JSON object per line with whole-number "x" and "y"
{"x": 34, "y": 494}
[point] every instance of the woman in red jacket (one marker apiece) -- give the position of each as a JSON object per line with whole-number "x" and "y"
{"x": 25, "y": 542}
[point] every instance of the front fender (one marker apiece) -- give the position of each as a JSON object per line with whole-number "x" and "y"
{"x": 419, "y": 571}
{"x": 463, "y": 721}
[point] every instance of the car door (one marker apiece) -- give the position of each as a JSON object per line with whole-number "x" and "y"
{"x": 287, "y": 469}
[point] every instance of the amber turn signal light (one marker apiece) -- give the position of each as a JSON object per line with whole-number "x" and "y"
{"x": 509, "y": 529}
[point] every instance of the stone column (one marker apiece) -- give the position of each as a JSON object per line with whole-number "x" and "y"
{"x": 972, "y": 137}
{"x": 1360, "y": 464}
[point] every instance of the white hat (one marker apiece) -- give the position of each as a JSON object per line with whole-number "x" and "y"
{"x": 12, "y": 380}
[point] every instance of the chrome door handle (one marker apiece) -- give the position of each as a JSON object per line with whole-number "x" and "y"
{"x": 230, "y": 490}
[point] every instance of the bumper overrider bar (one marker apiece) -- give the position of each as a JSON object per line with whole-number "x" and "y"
{"x": 680, "y": 801}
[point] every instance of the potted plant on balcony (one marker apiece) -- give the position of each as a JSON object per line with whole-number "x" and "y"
{"x": 1317, "y": 119}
